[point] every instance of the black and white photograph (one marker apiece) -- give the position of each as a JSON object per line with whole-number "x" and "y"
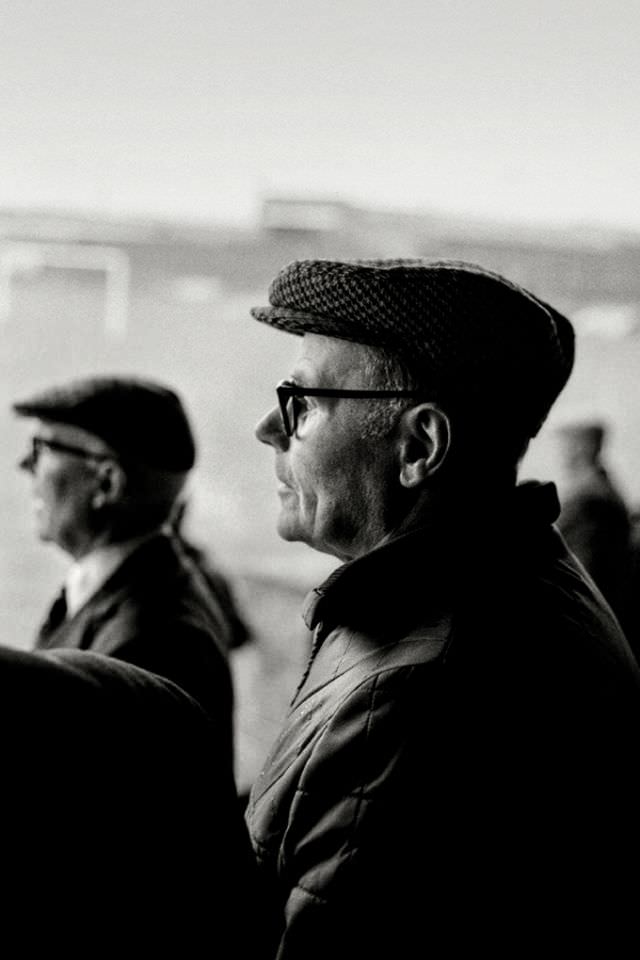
{"x": 320, "y": 474}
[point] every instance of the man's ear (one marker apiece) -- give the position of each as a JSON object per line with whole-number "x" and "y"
{"x": 110, "y": 485}
{"x": 425, "y": 439}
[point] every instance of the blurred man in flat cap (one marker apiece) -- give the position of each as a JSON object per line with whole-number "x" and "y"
{"x": 457, "y": 772}
{"x": 594, "y": 518}
{"x": 125, "y": 828}
{"x": 109, "y": 458}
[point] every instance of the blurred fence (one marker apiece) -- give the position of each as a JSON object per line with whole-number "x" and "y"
{"x": 266, "y": 670}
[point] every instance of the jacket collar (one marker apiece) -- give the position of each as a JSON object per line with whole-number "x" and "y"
{"x": 424, "y": 568}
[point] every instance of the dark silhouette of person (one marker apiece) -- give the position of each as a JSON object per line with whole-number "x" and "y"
{"x": 122, "y": 830}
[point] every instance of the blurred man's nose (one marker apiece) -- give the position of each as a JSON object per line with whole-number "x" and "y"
{"x": 27, "y": 463}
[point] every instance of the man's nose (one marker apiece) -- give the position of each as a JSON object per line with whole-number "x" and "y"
{"x": 27, "y": 463}
{"x": 270, "y": 430}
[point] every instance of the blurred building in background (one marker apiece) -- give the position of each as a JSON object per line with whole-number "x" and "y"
{"x": 80, "y": 295}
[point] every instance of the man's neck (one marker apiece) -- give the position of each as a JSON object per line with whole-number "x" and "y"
{"x": 450, "y": 513}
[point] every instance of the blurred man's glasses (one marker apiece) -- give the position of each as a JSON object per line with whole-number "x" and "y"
{"x": 290, "y": 394}
{"x": 38, "y": 444}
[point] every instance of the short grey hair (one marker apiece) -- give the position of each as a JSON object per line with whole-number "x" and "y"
{"x": 148, "y": 500}
{"x": 383, "y": 371}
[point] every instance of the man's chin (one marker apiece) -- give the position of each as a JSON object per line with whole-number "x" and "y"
{"x": 287, "y": 531}
{"x": 294, "y": 533}
{"x": 42, "y": 529}
{"x": 290, "y": 529}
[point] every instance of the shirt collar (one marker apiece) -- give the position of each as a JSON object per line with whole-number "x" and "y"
{"x": 88, "y": 574}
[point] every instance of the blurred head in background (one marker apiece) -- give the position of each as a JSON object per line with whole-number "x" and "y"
{"x": 108, "y": 458}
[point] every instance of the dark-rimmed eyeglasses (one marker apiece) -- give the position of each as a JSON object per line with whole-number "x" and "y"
{"x": 38, "y": 444}
{"x": 289, "y": 394}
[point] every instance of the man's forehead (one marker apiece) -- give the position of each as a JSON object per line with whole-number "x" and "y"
{"x": 329, "y": 356}
{"x": 68, "y": 433}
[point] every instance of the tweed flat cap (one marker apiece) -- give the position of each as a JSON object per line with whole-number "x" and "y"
{"x": 140, "y": 420}
{"x": 453, "y": 322}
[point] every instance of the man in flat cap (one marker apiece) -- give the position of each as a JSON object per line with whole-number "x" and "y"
{"x": 457, "y": 772}
{"x": 108, "y": 458}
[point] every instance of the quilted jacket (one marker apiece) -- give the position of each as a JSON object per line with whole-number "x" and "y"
{"x": 456, "y": 769}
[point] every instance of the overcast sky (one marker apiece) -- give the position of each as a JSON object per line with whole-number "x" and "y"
{"x": 523, "y": 109}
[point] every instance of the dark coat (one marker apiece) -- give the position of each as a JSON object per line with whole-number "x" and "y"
{"x": 122, "y": 833}
{"x": 457, "y": 774}
{"x": 155, "y": 612}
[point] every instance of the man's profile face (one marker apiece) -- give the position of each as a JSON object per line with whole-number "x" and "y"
{"x": 62, "y": 487}
{"x": 333, "y": 482}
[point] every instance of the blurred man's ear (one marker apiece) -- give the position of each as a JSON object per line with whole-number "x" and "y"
{"x": 110, "y": 485}
{"x": 424, "y": 442}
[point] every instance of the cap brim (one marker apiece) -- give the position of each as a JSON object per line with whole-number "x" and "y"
{"x": 299, "y": 322}
{"x": 42, "y": 411}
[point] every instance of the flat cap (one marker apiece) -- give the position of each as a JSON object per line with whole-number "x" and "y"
{"x": 460, "y": 326}
{"x": 140, "y": 420}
